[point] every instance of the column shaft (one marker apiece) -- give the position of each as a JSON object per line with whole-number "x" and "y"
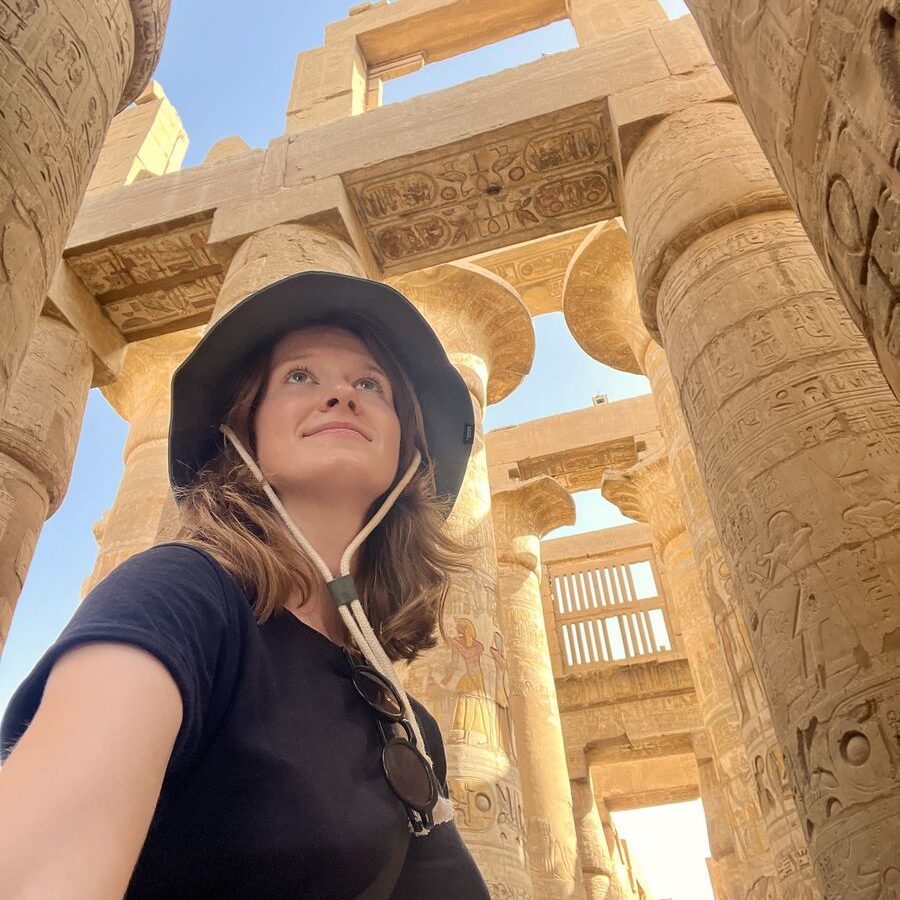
{"x": 66, "y": 68}
{"x": 818, "y": 83}
{"x": 798, "y": 441}
{"x": 487, "y": 332}
{"x": 600, "y": 881}
{"x": 521, "y": 517}
{"x": 39, "y": 432}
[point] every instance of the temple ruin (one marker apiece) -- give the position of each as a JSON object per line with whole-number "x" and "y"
{"x": 711, "y": 202}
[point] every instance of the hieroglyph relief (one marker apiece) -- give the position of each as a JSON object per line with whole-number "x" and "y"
{"x": 583, "y": 468}
{"x": 537, "y": 177}
{"x": 157, "y": 283}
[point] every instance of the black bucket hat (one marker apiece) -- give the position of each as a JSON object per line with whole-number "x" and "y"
{"x": 205, "y": 384}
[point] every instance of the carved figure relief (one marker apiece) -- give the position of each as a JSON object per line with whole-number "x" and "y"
{"x": 473, "y": 717}
{"x": 506, "y": 730}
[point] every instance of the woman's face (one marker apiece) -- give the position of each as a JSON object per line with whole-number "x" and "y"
{"x": 326, "y": 422}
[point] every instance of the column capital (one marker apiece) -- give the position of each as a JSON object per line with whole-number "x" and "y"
{"x": 150, "y": 18}
{"x": 530, "y": 509}
{"x": 692, "y": 173}
{"x": 646, "y": 492}
{"x": 600, "y": 302}
{"x": 481, "y": 321}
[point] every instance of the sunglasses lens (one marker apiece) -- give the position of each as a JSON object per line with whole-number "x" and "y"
{"x": 378, "y": 694}
{"x": 408, "y": 774}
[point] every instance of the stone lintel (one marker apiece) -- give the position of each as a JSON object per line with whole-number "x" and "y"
{"x": 596, "y": 543}
{"x": 600, "y": 298}
{"x": 536, "y": 268}
{"x": 641, "y": 799}
{"x": 70, "y": 300}
{"x": 439, "y": 29}
{"x": 572, "y": 447}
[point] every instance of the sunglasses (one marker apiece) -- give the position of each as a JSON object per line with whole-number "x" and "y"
{"x": 408, "y": 772}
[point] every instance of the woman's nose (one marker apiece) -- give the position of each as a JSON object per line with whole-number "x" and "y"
{"x": 340, "y": 393}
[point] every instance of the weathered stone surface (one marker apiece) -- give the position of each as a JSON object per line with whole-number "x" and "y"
{"x": 521, "y": 516}
{"x": 818, "y": 83}
{"x": 797, "y": 437}
{"x": 65, "y": 68}
{"x": 38, "y": 434}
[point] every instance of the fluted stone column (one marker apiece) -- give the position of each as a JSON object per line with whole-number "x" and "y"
{"x": 39, "y": 432}
{"x": 646, "y": 492}
{"x": 141, "y": 396}
{"x": 818, "y": 83}
{"x": 522, "y": 515}
{"x": 602, "y": 311}
{"x": 601, "y": 881}
{"x": 486, "y": 330}
{"x": 66, "y": 67}
{"x": 798, "y": 441}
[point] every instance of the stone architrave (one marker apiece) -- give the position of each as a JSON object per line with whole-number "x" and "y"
{"x": 141, "y": 396}
{"x": 487, "y": 332}
{"x": 39, "y": 432}
{"x": 818, "y": 83}
{"x": 601, "y": 881}
{"x": 522, "y": 516}
{"x": 646, "y": 492}
{"x": 67, "y": 67}
{"x": 602, "y": 312}
{"x": 797, "y": 438}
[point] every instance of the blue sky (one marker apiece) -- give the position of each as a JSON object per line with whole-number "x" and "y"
{"x": 227, "y": 69}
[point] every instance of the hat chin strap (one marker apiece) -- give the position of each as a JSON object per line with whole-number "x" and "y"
{"x": 343, "y": 591}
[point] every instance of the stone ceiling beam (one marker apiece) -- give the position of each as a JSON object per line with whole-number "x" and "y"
{"x": 71, "y": 301}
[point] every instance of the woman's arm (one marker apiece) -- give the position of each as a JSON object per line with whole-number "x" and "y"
{"x": 78, "y": 791}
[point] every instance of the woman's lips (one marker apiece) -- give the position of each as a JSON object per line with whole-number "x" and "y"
{"x": 337, "y": 428}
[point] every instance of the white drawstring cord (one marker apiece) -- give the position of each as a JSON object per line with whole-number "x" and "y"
{"x": 352, "y": 612}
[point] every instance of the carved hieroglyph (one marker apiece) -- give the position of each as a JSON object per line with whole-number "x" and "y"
{"x": 65, "y": 68}
{"x": 521, "y": 516}
{"x": 156, "y": 283}
{"x": 38, "y": 434}
{"x": 601, "y": 308}
{"x": 797, "y": 437}
{"x": 487, "y": 333}
{"x": 819, "y": 84}
{"x": 518, "y": 183}
{"x": 646, "y": 492}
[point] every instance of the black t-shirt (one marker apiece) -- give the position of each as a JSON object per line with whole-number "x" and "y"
{"x": 275, "y": 787}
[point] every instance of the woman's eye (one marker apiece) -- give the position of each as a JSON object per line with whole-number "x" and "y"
{"x": 369, "y": 384}
{"x": 299, "y": 376}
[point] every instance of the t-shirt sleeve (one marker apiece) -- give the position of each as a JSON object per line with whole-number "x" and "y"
{"x": 172, "y": 601}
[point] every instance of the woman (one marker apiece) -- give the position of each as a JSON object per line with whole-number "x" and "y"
{"x": 220, "y": 718}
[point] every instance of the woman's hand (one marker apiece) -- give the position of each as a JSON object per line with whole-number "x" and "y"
{"x": 79, "y": 790}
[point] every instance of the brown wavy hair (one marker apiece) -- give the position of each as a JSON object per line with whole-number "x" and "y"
{"x": 404, "y": 566}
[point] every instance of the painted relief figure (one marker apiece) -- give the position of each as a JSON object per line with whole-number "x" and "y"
{"x": 506, "y": 735}
{"x": 472, "y": 716}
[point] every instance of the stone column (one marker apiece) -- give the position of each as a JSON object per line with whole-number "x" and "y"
{"x": 601, "y": 309}
{"x": 600, "y": 879}
{"x": 818, "y": 83}
{"x": 522, "y": 515}
{"x": 487, "y": 331}
{"x": 38, "y": 435}
{"x": 718, "y": 829}
{"x": 143, "y": 512}
{"x": 67, "y": 66}
{"x": 141, "y": 396}
{"x": 646, "y": 492}
{"x": 798, "y": 441}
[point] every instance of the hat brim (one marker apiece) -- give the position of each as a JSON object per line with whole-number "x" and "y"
{"x": 205, "y": 384}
